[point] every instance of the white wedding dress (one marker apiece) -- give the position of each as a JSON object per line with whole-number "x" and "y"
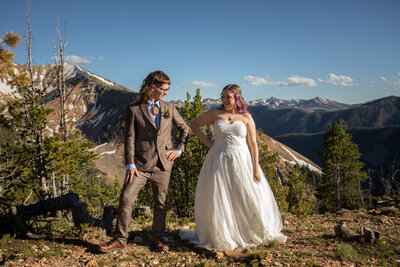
{"x": 231, "y": 210}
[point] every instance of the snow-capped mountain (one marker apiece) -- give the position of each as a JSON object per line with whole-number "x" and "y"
{"x": 110, "y": 159}
{"x": 94, "y": 104}
{"x": 317, "y": 104}
{"x": 97, "y": 107}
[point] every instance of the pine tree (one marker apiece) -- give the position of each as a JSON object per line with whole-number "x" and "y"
{"x": 268, "y": 162}
{"x": 187, "y": 167}
{"x": 342, "y": 176}
{"x": 26, "y": 117}
{"x": 30, "y": 160}
{"x": 297, "y": 196}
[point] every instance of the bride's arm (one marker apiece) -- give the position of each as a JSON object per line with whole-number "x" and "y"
{"x": 252, "y": 141}
{"x": 206, "y": 118}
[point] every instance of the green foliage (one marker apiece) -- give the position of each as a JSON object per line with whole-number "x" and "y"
{"x": 23, "y": 162}
{"x": 340, "y": 185}
{"x": 268, "y": 162}
{"x": 256, "y": 255}
{"x": 345, "y": 252}
{"x": 297, "y": 196}
{"x": 6, "y": 56}
{"x": 34, "y": 164}
{"x": 145, "y": 196}
{"x": 6, "y": 238}
{"x": 24, "y": 250}
{"x": 305, "y": 253}
{"x": 187, "y": 167}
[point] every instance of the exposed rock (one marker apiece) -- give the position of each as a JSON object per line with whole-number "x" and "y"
{"x": 365, "y": 234}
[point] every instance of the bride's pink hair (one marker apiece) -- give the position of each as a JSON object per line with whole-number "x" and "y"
{"x": 239, "y": 100}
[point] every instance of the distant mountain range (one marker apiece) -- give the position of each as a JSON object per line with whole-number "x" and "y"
{"x": 98, "y": 107}
{"x": 276, "y": 122}
{"x": 378, "y": 146}
{"x": 317, "y": 104}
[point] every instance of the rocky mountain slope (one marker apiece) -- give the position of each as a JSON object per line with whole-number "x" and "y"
{"x": 378, "y": 146}
{"x": 97, "y": 106}
{"x": 317, "y": 104}
{"x": 275, "y": 122}
{"x": 110, "y": 158}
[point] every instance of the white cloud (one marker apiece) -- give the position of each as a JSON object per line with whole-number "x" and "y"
{"x": 371, "y": 84}
{"x": 101, "y": 58}
{"x": 203, "y": 84}
{"x": 383, "y": 78}
{"x": 339, "y": 80}
{"x": 300, "y": 81}
{"x": 257, "y": 81}
{"x": 77, "y": 59}
{"x": 291, "y": 81}
{"x": 397, "y": 82}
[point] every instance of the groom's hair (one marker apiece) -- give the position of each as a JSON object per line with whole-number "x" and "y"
{"x": 154, "y": 78}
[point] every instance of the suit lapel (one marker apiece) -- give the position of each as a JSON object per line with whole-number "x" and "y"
{"x": 146, "y": 112}
{"x": 163, "y": 107}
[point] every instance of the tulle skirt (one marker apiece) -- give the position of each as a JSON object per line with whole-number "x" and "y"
{"x": 231, "y": 210}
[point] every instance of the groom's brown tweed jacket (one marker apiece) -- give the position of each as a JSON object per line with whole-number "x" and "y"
{"x": 144, "y": 143}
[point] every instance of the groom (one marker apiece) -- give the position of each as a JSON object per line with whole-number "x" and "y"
{"x": 149, "y": 156}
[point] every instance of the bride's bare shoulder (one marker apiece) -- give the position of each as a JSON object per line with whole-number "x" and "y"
{"x": 247, "y": 118}
{"x": 214, "y": 113}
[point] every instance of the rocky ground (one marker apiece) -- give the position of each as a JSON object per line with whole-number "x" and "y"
{"x": 311, "y": 242}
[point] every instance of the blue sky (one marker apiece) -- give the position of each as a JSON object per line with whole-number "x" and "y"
{"x": 344, "y": 50}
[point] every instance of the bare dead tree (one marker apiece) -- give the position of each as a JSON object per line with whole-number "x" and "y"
{"x": 28, "y": 40}
{"x": 22, "y": 213}
{"x": 59, "y": 48}
{"x": 39, "y": 135}
{"x": 370, "y": 185}
{"x": 394, "y": 184}
{"x": 390, "y": 179}
{"x": 382, "y": 179}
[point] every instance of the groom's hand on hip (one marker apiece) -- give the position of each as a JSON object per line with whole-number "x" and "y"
{"x": 129, "y": 174}
{"x": 172, "y": 155}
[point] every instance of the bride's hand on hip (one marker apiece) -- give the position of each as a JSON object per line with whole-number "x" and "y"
{"x": 257, "y": 177}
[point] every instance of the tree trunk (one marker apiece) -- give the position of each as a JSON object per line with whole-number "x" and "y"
{"x": 70, "y": 201}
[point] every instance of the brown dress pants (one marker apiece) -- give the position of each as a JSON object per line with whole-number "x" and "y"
{"x": 159, "y": 180}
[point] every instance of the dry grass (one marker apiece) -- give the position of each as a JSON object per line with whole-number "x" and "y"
{"x": 310, "y": 243}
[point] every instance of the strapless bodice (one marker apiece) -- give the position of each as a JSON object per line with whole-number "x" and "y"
{"x": 229, "y": 134}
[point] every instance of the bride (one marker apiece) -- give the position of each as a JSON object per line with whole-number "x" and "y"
{"x": 234, "y": 205}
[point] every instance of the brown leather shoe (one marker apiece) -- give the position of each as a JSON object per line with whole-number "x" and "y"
{"x": 159, "y": 243}
{"x": 111, "y": 246}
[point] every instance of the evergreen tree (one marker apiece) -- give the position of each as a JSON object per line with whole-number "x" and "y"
{"x": 26, "y": 117}
{"x": 187, "y": 167}
{"x": 341, "y": 180}
{"x": 268, "y": 162}
{"x": 31, "y": 161}
{"x": 297, "y": 196}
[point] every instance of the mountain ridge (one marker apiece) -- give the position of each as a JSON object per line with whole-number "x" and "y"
{"x": 378, "y": 146}
{"x": 97, "y": 107}
{"x": 378, "y": 113}
{"x": 316, "y": 104}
